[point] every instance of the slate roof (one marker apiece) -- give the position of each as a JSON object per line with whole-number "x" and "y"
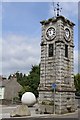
{"x": 12, "y": 87}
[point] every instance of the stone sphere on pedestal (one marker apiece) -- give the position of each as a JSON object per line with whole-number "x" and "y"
{"x": 28, "y": 98}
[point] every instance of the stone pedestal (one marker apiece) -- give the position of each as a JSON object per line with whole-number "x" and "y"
{"x": 21, "y": 110}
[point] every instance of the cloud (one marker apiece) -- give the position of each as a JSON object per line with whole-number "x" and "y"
{"x": 68, "y": 8}
{"x": 20, "y": 53}
{"x": 0, "y": 18}
{"x": 0, "y": 56}
{"x": 76, "y": 61}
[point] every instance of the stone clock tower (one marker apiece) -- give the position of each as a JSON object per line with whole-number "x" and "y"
{"x": 57, "y": 65}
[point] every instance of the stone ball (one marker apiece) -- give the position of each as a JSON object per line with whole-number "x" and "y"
{"x": 28, "y": 98}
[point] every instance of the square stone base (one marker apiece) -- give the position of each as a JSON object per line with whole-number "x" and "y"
{"x": 64, "y": 102}
{"x": 49, "y": 109}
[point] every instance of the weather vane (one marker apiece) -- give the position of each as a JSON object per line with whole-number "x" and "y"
{"x": 57, "y": 9}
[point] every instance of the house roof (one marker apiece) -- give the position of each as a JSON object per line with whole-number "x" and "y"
{"x": 12, "y": 87}
{"x": 12, "y": 81}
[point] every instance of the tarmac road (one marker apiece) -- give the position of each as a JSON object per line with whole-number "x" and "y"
{"x": 71, "y": 116}
{"x": 6, "y": 110}
{"x": 40, "y": 119}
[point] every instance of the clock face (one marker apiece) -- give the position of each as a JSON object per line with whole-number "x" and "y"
{"x": 50, "y": 33}
{"x": 67, "y": 33}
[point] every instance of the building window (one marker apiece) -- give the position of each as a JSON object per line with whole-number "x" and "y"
{"x": 50, "y": 50}
{"x": 66, "y": 51}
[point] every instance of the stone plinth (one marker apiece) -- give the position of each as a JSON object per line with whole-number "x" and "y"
{"x": 21, "y": 110}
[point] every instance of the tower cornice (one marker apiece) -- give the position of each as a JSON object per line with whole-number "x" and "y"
{"x": 55, "y": 19}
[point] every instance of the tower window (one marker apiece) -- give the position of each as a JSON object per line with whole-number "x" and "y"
{"x": 50, "y": 50}
{"x": 66, "y": 51}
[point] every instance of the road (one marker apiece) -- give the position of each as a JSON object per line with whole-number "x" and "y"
{"x": 6, "y": 110}
{"x": 41, "y": 119}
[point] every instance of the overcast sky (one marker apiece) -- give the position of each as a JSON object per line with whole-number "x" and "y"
{"x": 21, "y": 33}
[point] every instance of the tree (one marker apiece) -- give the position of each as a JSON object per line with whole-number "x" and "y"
{"x": 77, "y": 82}
{"x": 31, "y": 82}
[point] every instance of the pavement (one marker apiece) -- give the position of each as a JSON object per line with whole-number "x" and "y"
{"x": 6, "y": 110}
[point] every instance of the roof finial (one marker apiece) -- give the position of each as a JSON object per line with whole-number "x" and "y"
{"x": 57, "y": 9}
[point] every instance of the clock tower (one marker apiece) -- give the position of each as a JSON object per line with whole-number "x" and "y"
{"x": 57, "y": 65}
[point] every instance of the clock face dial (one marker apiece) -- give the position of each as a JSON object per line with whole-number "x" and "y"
{"x": 50, "y": 33}
{"x": 67, "y": 33}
